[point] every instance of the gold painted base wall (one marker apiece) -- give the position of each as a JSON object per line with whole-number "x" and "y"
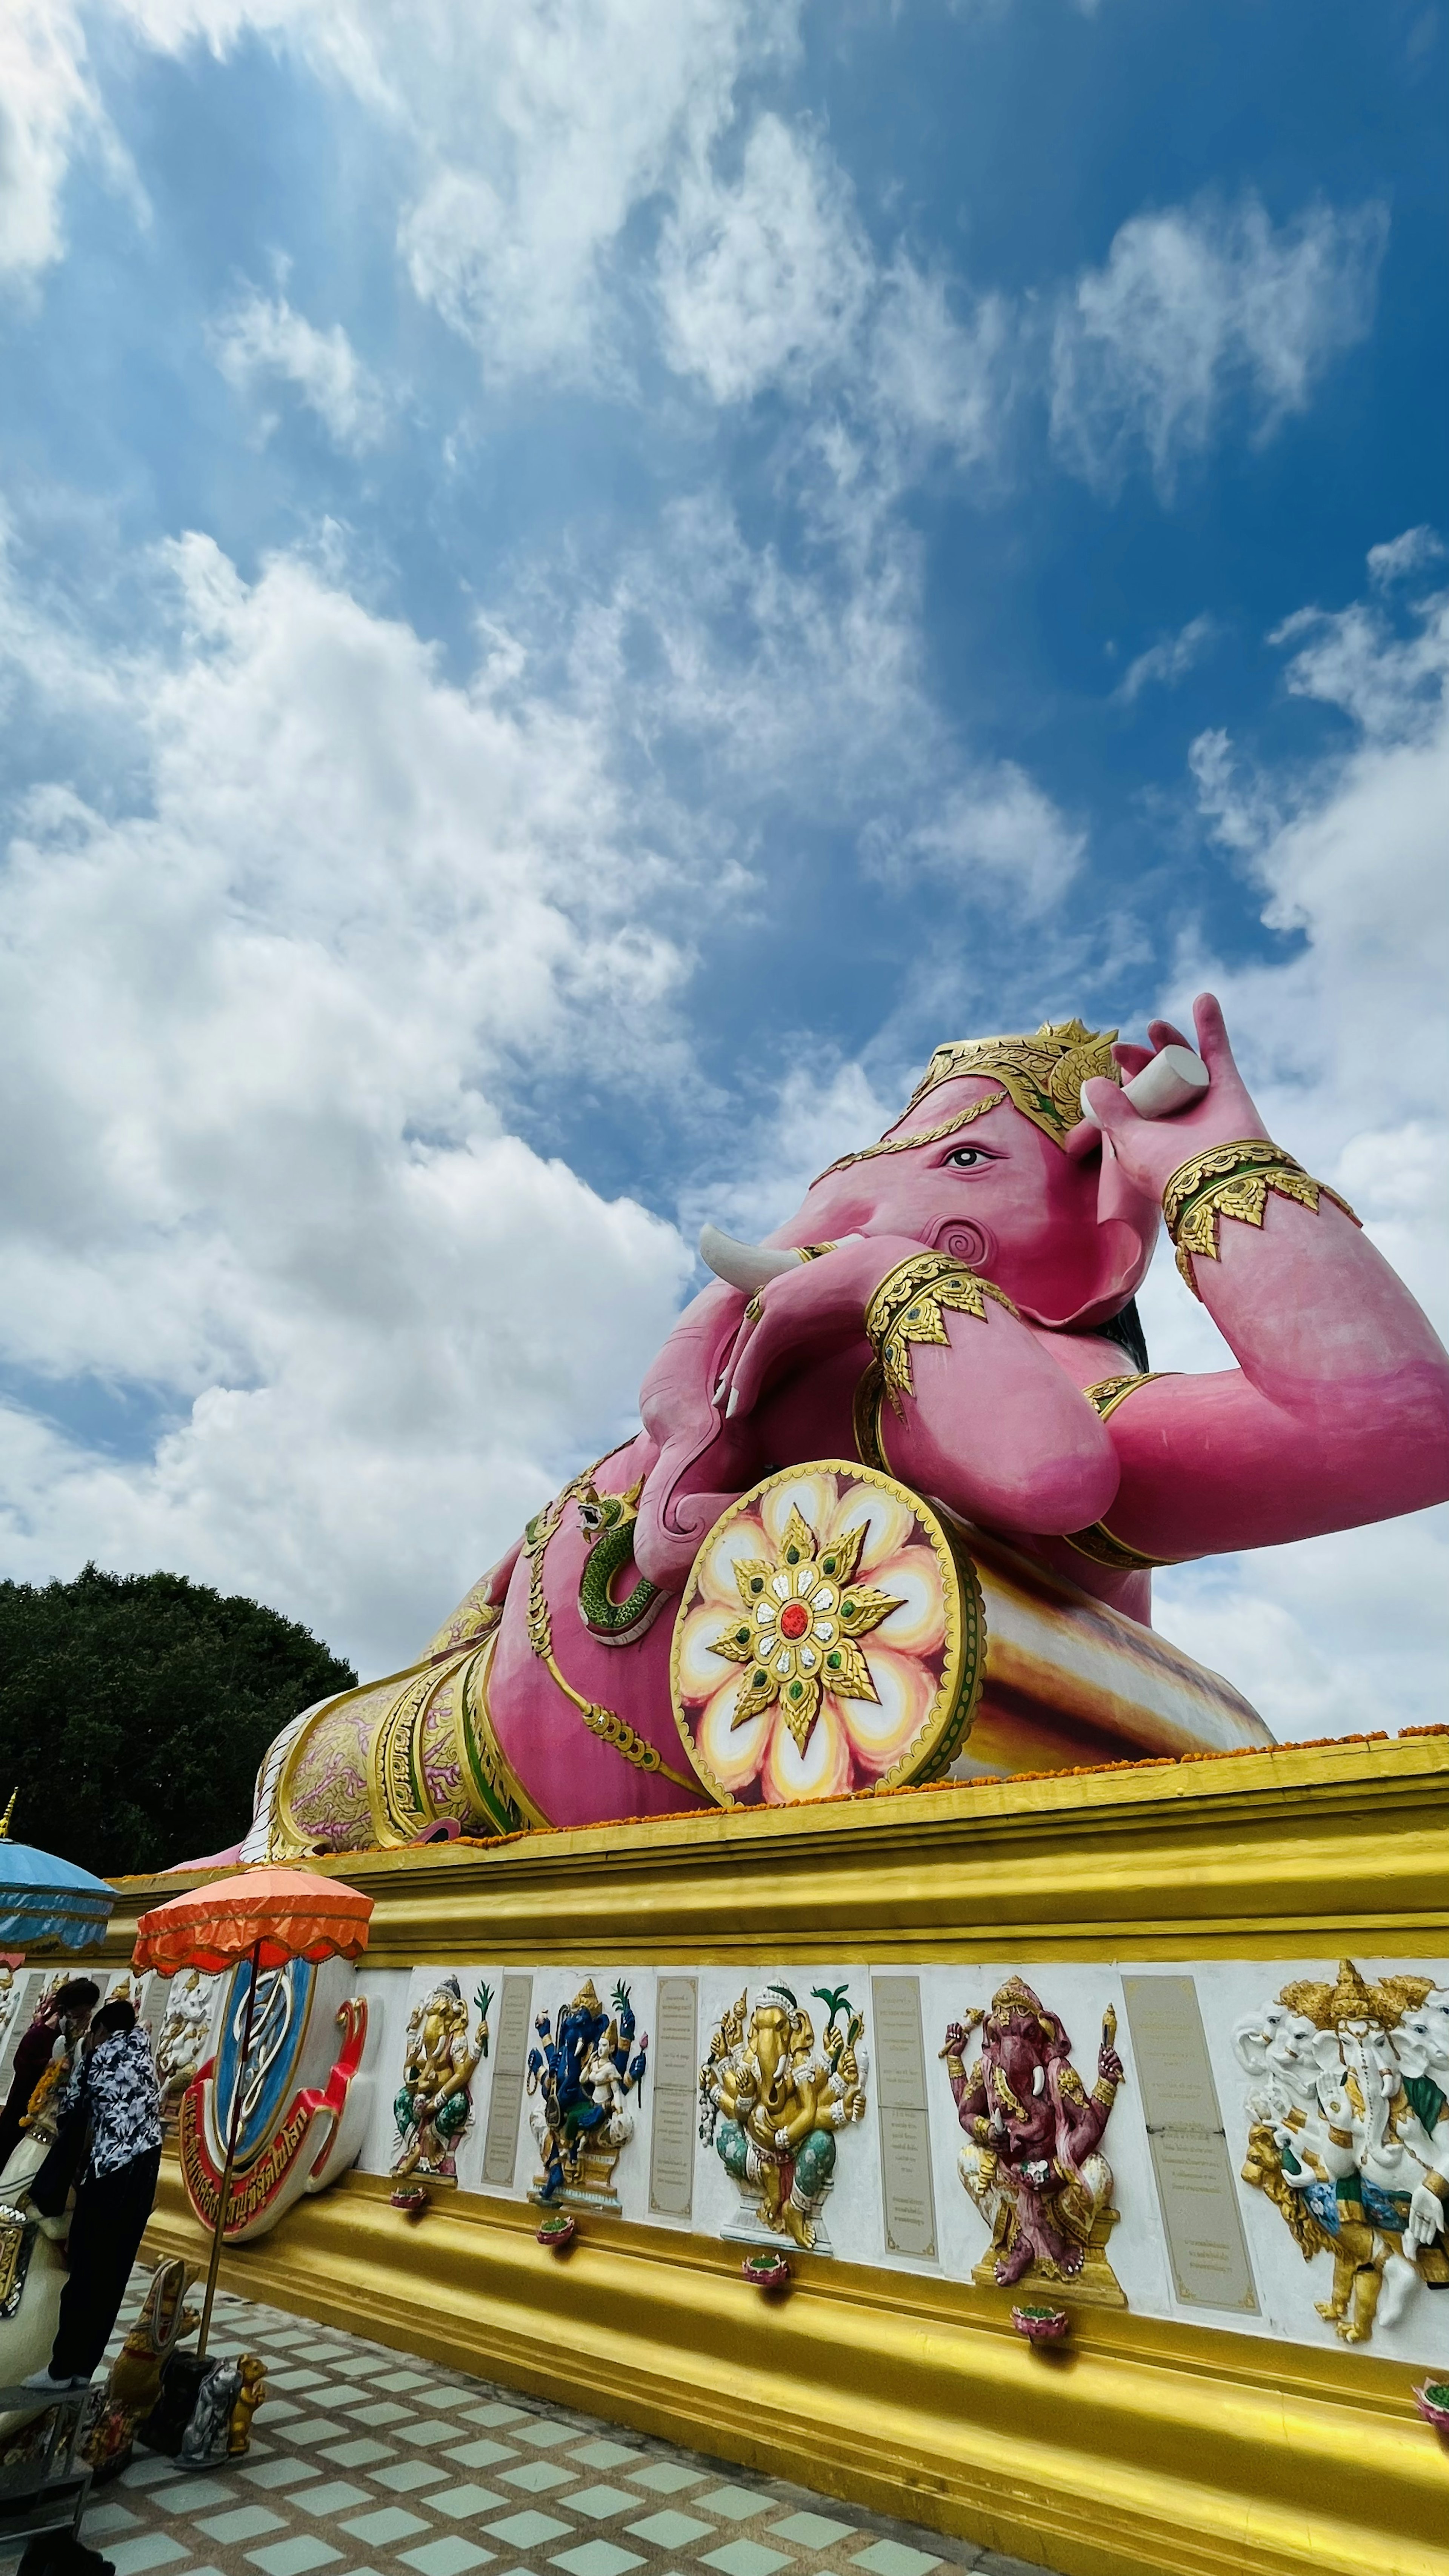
{"x": 1144, "y": 2445}
{"x": 1141, "y": 2447}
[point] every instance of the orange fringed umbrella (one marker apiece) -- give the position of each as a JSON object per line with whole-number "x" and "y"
{"x": 268, "y": 1916}
{"x": 279, "y": 1914}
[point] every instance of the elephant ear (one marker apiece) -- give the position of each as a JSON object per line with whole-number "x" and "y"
{"x": 1118, "y": 1257}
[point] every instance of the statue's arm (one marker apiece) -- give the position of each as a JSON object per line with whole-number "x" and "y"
{"x": 992, "y": 1425}
{"x": 1338, "y": 1410}
{"x": 973, "y": 1409}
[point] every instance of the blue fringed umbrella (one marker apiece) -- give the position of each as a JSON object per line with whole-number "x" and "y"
{"x": 45, "y": 1899}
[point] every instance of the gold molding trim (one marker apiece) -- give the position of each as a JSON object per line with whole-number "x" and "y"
{"x": 1298, "y": 1851}
{"x": 1144, "y": 2448}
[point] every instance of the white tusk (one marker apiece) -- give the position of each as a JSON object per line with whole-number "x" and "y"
{"x": 1173, "y": 1080}
{"x": 742, "y": 1265}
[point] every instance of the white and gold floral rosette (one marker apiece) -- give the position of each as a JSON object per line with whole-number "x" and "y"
{"x": 830, "y": 1639}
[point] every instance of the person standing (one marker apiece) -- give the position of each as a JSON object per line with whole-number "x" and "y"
{"x": 116, "y": 2093}
{"x": 63, "y": 2015}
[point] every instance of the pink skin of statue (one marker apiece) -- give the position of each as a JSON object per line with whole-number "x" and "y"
{"x": 1336, "y": 1414}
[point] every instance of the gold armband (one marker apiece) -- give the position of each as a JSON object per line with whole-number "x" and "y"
{"x": 1233, "y": 1180}
{"x": 1098, "y": 1542}
{"x": 910, "y": 1305}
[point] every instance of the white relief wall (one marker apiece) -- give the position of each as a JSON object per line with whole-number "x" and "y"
{"x": 1286, "y": 2287}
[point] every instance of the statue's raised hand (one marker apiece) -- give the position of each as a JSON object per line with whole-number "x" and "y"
{"x": 813, "y": 1309}
{"x": 1150, "y": 1150}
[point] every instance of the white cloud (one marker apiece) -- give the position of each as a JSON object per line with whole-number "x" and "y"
{"x": 1241, "y": 810}
{"x": 807, "y": 688}
{"x": 530, "y": 135}
{"x": 1347, "y": 1051}
{"x": 762, "y": 277}
{"x": 1404, "y": 556}
{"x": 255, "y": 1164}
{"x": 998, "y": 822}
{"x": 258, "y": 1027}
{"x": 262, "y": 341}
{"x": 945, "y": 382}
{"x": 1335, "y": 1636}
{"x": 1392, "y": 686}
{"x": 49, "y": 108}
{"x": 1168, "y": 661}
{"x": 1197, "y": 305}
{"x": 554, "y": 128}
{"x": 818, "y": 1110}
{"x": 561, "y": 177}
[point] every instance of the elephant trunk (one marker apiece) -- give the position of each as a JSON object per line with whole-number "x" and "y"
{"x": 694, "y": 1445}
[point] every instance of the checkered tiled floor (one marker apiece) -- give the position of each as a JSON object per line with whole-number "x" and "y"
{"x": 366, "y": 2464}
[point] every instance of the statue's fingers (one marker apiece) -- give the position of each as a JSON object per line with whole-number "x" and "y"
{"x": 1131, "y": 1057}
{"x": 1166, "y": 1033}
{"x": 726, "y": 1385}
{"x": 1114, "y": 1114}
{"x": 1212, "y": 1038}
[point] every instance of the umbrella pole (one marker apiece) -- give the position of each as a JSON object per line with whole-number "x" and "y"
{"x": 223, "y": 2206}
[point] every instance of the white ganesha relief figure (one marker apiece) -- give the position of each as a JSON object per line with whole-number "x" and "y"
{"x": 1348, "y": 2135}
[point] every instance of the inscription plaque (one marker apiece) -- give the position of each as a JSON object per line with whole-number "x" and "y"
{"x": 500, "y": 2139}
{"x": 1190, "y": 2159}
{"x": 905, "y": 2129}
{"x": 153, "y": 2011}
{"x": 674, "y": 2065}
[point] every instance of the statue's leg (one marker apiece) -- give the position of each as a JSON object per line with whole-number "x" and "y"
{"x": 814, "y": 2166}
{"x": 733, "y": 2149}
{"x": 1358, "y": 2326}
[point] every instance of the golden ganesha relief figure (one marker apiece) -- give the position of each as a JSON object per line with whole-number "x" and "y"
{"x": 773, "y": 2105}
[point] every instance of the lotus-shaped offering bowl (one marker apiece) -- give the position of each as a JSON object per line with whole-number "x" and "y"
{"x": 411, "y": 2199}
{"x": 557, "y": 2230}
{"x": 1042, "y": 2325}
{"x": 767, "y": 2271}
{"x": 1432, "y": 2401}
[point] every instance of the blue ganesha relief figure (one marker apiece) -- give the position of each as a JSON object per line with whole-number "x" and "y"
{"x": 583, "y": 2074}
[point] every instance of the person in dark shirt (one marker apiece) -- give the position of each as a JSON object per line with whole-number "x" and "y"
{"x": 114, "y": 2101}
{"x": 63, "y": 2016}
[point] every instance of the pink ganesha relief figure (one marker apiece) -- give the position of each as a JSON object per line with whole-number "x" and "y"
{"x": 1030, "y": 2162}
{"x": 949, "y": 1315}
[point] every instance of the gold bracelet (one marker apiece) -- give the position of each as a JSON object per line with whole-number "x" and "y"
{"x": 909, "y": 1306}
{"x": 1097, "y": 1542}
{"x": 1233, "y": 1180}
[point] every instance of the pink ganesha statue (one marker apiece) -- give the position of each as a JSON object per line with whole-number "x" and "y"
{"x": 904, "y": 1473}
{"x": 1031, "y": 2162}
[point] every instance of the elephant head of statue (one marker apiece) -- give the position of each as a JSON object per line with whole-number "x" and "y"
{"x": 991, "y": 1162}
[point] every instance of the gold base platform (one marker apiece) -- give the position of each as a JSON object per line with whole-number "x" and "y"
{"x": 1144, "y": 2446}
{"x": 1148, "y": 2442}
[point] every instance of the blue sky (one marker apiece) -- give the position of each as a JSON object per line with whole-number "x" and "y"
{"x": 585, "y": 583}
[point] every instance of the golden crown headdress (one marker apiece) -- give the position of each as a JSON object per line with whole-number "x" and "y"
{"x": 1042, "y": 1074}
{"x": 1017, "y": 1996}
{"x": 1352, "y": 1998}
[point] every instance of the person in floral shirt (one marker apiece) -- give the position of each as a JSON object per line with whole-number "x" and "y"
{"x": 110, "y": 2128}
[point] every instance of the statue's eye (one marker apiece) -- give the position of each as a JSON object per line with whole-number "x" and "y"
{"x": 967, "y": 1157}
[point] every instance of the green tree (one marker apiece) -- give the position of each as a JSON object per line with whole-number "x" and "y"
{"x": 135, "y": 1709}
